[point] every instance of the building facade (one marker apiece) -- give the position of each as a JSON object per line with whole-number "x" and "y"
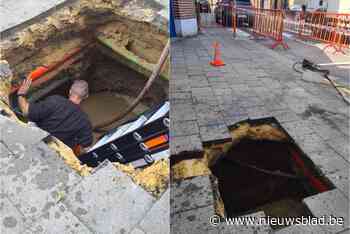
{"x": 270, "y": 4}
{"x": 185, "y": 19}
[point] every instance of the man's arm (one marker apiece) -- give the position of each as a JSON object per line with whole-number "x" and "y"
{"x": 22, "y": 100}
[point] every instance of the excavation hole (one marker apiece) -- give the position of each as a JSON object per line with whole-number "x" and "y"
{"x": 266, "y": 175}
{"x": 113, "y": 87}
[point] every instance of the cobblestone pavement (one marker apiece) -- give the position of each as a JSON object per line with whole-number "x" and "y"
{"x": 257, "y": 82}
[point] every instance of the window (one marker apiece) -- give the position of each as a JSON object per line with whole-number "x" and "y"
{"x": 321, "y": 3}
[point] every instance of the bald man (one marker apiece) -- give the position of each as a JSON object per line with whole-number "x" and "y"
{"x": 59, "y": 116}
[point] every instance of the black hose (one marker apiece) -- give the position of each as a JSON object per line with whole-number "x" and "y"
{"x": 313, "y": 67}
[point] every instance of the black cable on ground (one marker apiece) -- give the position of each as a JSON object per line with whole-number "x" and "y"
{"x": 267, "y": 172}
{"x": 313, "y": 67}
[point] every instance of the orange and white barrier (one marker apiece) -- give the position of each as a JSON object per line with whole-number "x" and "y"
{"x": 330, "y": 28}
{"x": 261, "y": 22}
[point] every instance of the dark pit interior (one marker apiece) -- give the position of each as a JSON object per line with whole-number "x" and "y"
{"x": 113, "y": 86}
{"x": 257, "y": 175}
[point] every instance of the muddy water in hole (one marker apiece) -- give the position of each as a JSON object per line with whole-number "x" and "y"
{"x": 102, "y": 106}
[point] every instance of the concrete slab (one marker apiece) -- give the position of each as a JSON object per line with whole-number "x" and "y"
{"x": 188, "y": 145}
{"x": 36, "y": 179}
{"x": 58, "y": 219}
{"x": 157, "y": 220}
{"x": 214, "y": 134}
{"x": 11, "y": 219}
{"x": 191, "y": 194}
{"x": 328, "y": 161}
{"x": 19, "y": 138}
{"x": 330, "y": 204}
{"x": 341, "y": 180}
{"x": 184, "y": 128}
{"x": 193, "y": 221}
{"x": 108, "y": 201}
{"x": 18, "y": 12}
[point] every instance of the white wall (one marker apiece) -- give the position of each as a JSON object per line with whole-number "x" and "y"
{"x": 344, "y": 6}
{"x": 340, "y": 6}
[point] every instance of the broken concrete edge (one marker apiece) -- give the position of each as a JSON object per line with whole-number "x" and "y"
{"x": 183, "y": 161}
{"x": 154, "y": 179}
{"x": 127, "y": 58}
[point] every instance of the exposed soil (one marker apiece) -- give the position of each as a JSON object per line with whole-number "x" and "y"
{"x": 243, "y": 189}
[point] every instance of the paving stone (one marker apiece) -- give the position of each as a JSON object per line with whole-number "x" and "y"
{"x": 189, "y": 145}
{"x": 226, "y": 100}
{"x": 234, "y": 119}
{"x": 181, "y": 97}
{"x": 108, "y": 201}
{"x": 193, "y": 221}
{"x": 205, "y": 91}
{"x": 198, "y": 81}
{"x": 212, "y": 74}
{"x": 5, "y": 156}
{"x": 232, "y": 110}
{"x": 214, "y": 134}
{"x": 191, "y": 194}
{"x": 283, "y": 116}
{"x": 258, "y": 112}
{"x": 322, "y": 128}
{"x": 247, "y": 229}
{"x": 328, "y": 161}
{"x": 19, "y": 137}
{"x": 341, "y": 146}
{"x": 208, "y": 115}
{"x": 224, "y": 91}
{"x": 330, "y": 203}
{"x": 182, "y": 112}
{"x": 58, "y": 219}
{"x": 180, "y": 86}
{"x": 11, "y": 219}
{"x": 248, "y": 102}
{"x": 298, "y": 229}
{"x": 184, "y": 128}
{"x": 35, "y": 178}
{"x": 341, "y": 180}
{"x": 297, "y": 129}
{"x": 137, "y": 231}
{"x": 157, "y": 220}
{"x": 311, "y": 143}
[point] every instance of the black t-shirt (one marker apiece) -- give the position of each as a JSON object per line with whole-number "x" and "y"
{"x": 63, "y": 119}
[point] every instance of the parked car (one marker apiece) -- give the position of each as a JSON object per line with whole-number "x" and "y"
{"x": 223, "y": 14}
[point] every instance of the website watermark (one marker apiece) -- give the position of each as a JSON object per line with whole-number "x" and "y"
{"x": 216, "y": 220}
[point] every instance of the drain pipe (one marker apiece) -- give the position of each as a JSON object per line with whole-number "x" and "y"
{"x": 154, "y": 75}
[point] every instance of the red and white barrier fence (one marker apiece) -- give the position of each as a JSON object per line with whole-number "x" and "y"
{"x": 330, "y": 28}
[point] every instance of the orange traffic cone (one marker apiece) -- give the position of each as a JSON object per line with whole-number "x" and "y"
{"x": 217, "y": 62}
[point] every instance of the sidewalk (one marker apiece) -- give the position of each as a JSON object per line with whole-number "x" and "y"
{"x": 258, "y": 82}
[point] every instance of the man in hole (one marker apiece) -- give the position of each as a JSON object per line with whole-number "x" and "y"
{"x": 59, "y": 116}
